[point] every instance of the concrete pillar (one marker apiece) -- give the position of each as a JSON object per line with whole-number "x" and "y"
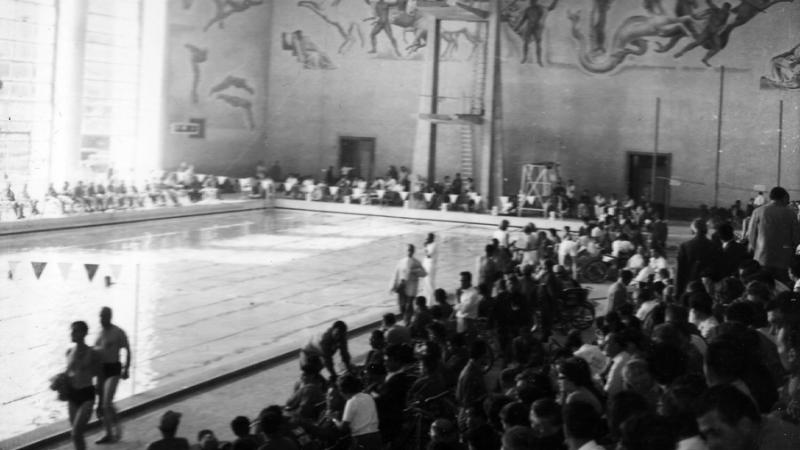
{"x": 423, "y": 160}
{"x": 152, "y": 127}
{"x": 490, "y": 159}
{"x": 68, "y": 91}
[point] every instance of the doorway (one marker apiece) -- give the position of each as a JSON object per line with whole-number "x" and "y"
{"x": 358, "y": 153}
{"x": 640, "y": 178}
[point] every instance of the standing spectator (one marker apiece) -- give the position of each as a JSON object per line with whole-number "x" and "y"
{"x": 618, "y": 348}
{"x": 169, "y": 427}
{"x": 405, "y": 283}
{"x": 659, "y": 233}
{"x": 275, "y": 172}
{"x": 422, "y": 317}
{"x": 467, "y": 307}
{"x": 618, "y": 292}
{"x": 548, "y": 295}
{"x": 320, "y": 349}
{"x": 697, "y": 257}
{"x": 429, "y": 264}
{"x": 733, "y": 253}
{"x": 759, "y": 200}
{"x": 110, "y": 342}
{"x": 775, "y": 234}
{"x": 488, "y": 269}
{"x": 83, "y": 364}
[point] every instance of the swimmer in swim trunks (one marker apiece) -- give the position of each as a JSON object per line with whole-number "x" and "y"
{"x": 111, "y": 340}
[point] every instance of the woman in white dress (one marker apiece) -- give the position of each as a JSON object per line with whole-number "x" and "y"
{"x": 429, "y": 264}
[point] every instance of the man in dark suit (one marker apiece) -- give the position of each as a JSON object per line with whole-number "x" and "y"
{"x": 390, "y": 398}
{"x": 775, "y": 234}
{"x": 697, "y": 257}
{"x": 733, "y": 253}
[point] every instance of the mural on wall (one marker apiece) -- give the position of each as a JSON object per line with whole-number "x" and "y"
{"x": 242, "y": 103}
{"x": 349, "y": 30}
{"x": 533, "y": 19}
{"x": 232, "y": 81}
{"x": 227, "y": 8}
{"x": 197, "y": 56}
{"x": 451, "y": 40}
{"x": 306, "y": 51}
{"x": 785, "y": 71}
{"x": 705, "y": 26}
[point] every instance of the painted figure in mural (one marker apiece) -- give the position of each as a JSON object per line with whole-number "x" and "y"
{"x": 597, "y": 30}
{"x": 197, "y": 56}
{"x": 187, "y": 4}
{"x": 381, "y": 22}
{"x": 349, "y": 33}
{"x": 744, "y": 11}
{"x": 533, "y": 18}
{"x": 227, "y": 8}
{"x": 451, "y": 38}
{"x": 682, "y": 8}
{"x": 710, "y": 37}
{"x": 785, "y": 71}
{"x": 654, "y": 7}
{"x": 630, "y": 38}
{"x": 231, "y": 81}
{"x": 243, "y": 103}
{"x": 306, "y": 51}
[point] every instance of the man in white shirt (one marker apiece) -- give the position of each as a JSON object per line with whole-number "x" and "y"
{"x": 502, "y": 234}
{"x": 622, "y": 246}
{"x": 616, "y": 349}
{"x": 467, "y": 307}
{"x": 405, "y": 282}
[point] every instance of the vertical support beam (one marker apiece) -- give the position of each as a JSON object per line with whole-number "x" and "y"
{"x": 719, "y": 135}
{"x": 152, "y": 84}
{"x": 655, "y": 151}
{"x": 68, "y": 90}
{"x": 780, "y": 140}
{"x": 490, "y": 175}
{"x": 423, "y": 158}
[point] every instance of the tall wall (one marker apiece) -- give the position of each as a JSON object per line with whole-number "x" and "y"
{"x": 316, "y": 80}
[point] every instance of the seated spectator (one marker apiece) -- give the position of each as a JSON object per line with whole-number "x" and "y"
{"x": 545, "y": 418}
{"x": 169, "y": 428}
{"x": 618, "y": 347}
{"x": 621, "y": 247}
{"x": 272, "y": 427}
{"x": 575, "y": 384}
{"x": 514, "y": 414}
{"x": 308, "y": 396}
{"x": 729, "y": 420}
{"x": 621, "y": 407}
{"x": 581, "y": 426}
{"x": 244, "y": 440}
{"x": 677, "y": 405}
{"x": 788, "y": 406}
{"x": 360, "y": 415}
{"x": 440, "y": 296}
{"x": 701, "y": 314}
{"x": 518, "y": 438}
{"x": 444, "y": 435}
{"x": 637, "y": 377}
{"x": 648, "y": 432}
{"x": 479, "y": 434}
{"x": 206, "y": 440}
{"x": 420, "y": 319}
{"x": 393, "y": 332}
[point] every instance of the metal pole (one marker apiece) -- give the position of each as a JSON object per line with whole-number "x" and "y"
{"x": 135, "y": 348}
{"x": 433, "y": 41}
{"x": 655, "y": 152}
{"x": 719, "y": 135}
{"x": 780, "y": 139}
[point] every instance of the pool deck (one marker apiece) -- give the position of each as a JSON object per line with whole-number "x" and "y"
{"x": 201, "y": 394}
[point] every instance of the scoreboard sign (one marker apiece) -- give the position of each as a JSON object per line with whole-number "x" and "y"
{"x": 193, "y": 128}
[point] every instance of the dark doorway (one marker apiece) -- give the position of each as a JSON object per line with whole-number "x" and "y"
{"x": 640, "y": 178}
{"x": 359, "y": 154}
